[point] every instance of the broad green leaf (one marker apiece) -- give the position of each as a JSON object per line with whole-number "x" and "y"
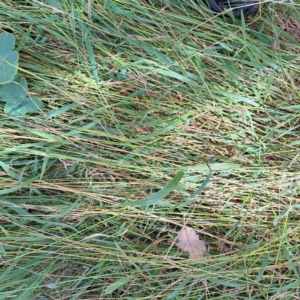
{"x": 158, "y": 196}
{"x": 8, "y": 58}
{"x": 28, "y": 105}
{"x": 15, "y": 91}
{"x": 7, "y": 42}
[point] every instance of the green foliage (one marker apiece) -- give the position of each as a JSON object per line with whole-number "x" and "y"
{"x": 13, "y": 87}
{"x": 181, "y": 91}
{"x": 14, "y": 91}
{"x": 157, "y": 197}
{"x": 8, "y": 58}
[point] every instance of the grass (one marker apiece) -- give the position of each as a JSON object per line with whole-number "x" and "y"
{"x": 136, "y": 92}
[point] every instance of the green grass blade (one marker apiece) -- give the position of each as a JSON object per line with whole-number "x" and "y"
{"x": 158, "y": 196}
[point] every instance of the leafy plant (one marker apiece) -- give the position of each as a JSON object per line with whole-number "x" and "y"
{"x": 199, "y": 96}
{"x": 13, "y": 87}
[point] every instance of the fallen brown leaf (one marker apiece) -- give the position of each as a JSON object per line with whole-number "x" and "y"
{"x": 189, "y": 241}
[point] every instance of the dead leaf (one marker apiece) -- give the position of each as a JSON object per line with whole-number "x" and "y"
{"x": 189, "y": 241}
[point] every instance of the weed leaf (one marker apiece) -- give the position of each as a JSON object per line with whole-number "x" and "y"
{"x": 15, "y": 91}
{"x": 28, "y": 105}
{"x": 8, "y": 58}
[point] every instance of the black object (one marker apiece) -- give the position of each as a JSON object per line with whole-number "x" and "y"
{"x": 248, "y": 7}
